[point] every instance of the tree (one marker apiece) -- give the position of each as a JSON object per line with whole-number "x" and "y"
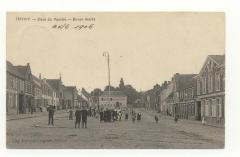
{"x": 111, "y": 88}
{"x": 131, "y": 93}
{"x": 96, "y": 92}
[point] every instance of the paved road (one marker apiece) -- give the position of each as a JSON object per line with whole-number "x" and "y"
{"x": 34, "y": 133}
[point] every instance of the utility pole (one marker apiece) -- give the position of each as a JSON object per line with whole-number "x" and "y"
{"x": 106, "y": 54}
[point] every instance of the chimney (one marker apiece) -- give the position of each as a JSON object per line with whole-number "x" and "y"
{"x": 28, "y": 64}
{"x": 177, "y": 74}
{"x": 60, "y": 77}
{"x": 40, "y": 77}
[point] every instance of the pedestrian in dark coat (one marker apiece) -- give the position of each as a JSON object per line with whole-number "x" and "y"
{"x": 70, "y": 114}
{"x": 101, "y": 115}
{"x": 139, "y": 116}
{"x": 156, "y": 118}
{"x": 133, "y": 117}
{"x": 176, "y": 118}
{"x": 84, "y": 114}
{"x": 126, "y": 116}
{"x": 78, "y": 118}
{"x": 50, "y": 115}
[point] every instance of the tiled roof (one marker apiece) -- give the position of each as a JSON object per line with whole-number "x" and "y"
{"x": 22, "y": 69}
{"x": 36, "y": 81}
{"x": 54, "y": 83}
{"x": 13, "y": 70}
{"x": 184, "y": 81}
{"x": 113, "y": 93}
{"x": 220, "y": 59}
{"x": 69, "y": 88}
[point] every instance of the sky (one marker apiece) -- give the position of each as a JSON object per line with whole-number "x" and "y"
{"x": 144, "y": 48}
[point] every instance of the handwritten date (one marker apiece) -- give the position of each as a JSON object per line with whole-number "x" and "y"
{"x": 67, "y": 26}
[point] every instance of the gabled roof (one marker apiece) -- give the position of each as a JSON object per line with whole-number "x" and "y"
{"x": 70, "y": 88}
{"x": 36, "y": 81}
{"x": 54, "y": 83}
{"x": 22, "y": 69}
{"x": 219, "y": 59}
{"x": 113, "y": 93}
{"x": 13, "y": 70}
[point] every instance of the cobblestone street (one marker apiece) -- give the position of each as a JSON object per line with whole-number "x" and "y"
{"x": 35, "y": 133}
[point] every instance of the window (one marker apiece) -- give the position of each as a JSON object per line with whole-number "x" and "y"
{"x": 210, "y": 82}
{"x": 217, "y": 81}
{"x": 204, "y": 85}
{"x": 219, "y": 103}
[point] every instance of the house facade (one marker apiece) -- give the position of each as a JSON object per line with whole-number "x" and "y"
{"x": 15, "y": 90}
{"x": 165, "y": 98}
{"x": 211, "y": 90}
{"x": 184, "y": 96}
{"x": 114, "y": 99}
{"x": 28, "y": 97}
{"x": 37, "y": 87}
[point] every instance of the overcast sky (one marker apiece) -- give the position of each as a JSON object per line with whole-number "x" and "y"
{"x": 144, "y": 48}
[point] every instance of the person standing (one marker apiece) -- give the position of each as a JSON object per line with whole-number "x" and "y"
{"x": 133, "y": 116}
{"x": 70, "y": 114}
{"x": 156, "y": 118}
{"x": 84, "y": 114}
{"x": 126, "y": 115}
{"x": 50, "y": 115}
{"x": 78, "y": 117}
{"x": 176, "y": 118}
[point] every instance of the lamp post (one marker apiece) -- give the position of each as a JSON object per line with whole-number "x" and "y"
{"x": 106, "y": 54}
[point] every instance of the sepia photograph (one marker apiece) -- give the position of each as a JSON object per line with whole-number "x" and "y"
{"x": 115, "y": 80}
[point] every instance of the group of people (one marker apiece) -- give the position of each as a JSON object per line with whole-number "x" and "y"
{"x": 135, "y": 116}
{"x": 105, "y": 115}
{"x": 81, "y": 116}
{"x": 112, "y": 115}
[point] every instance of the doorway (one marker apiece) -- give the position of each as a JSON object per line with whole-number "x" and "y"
{"x": 198, "y": 110}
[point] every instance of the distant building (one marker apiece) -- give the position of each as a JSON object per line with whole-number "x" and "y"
{"x": 71, "y": 96}
{"x": 81, "y": 101}
{"x": 211, "y": 90}
{"x": 58, "y": 87}
{"x": 47, "y": 94}
{"x": 165, "y": 98}
{"x": 113, "y": 100}
{"x": 37, "y": 86}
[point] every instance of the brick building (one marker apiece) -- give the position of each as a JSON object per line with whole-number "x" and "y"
{"x": 116, "y": 99}
{"x": 211, "y": 90}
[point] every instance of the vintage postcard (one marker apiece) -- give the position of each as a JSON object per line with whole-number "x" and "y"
{"x": 115, "y": 80}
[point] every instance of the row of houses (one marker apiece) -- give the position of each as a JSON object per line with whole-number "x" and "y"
{"x": 27, "y": 93}
{"x": 193, "y": 96}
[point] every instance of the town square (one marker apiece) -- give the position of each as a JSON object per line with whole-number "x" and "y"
{"x": 116, "y": 85}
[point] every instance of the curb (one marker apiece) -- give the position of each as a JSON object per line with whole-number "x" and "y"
{"x": 33, "y": 116}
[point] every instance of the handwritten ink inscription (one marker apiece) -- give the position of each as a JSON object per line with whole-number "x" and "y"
{"x": 63, "y": 23}
{"x": 66, "y": 26}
